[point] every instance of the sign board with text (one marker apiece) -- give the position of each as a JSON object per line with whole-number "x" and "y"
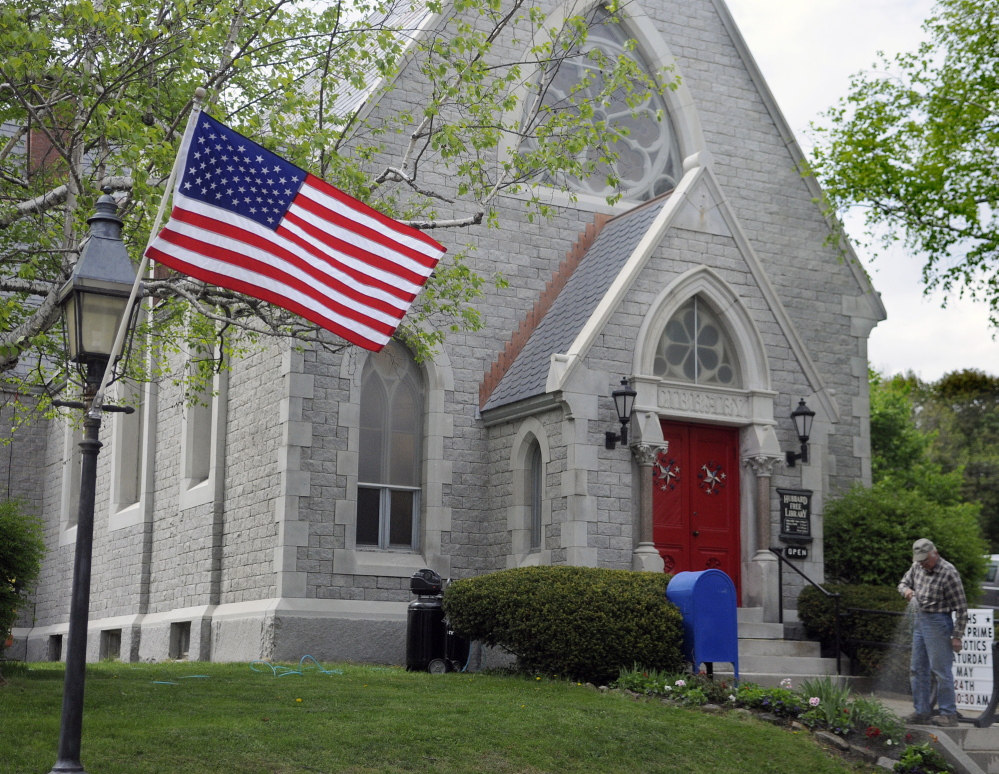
{"x": 795, "y": 515}
{"x": 973, "y": 665}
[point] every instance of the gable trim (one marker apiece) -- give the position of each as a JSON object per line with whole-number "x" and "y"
{"x": 797, "y": 155}
{"x": 695, "y": 171}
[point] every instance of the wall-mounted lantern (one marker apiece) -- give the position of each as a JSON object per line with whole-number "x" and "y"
{"x": 802, "y": 416}
{"x": 624, "y": 402}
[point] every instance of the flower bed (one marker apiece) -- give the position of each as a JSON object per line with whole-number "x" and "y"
{"x": 863, "y": 726}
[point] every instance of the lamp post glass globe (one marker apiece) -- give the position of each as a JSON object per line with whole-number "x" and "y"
{"x": 95, "y": 298}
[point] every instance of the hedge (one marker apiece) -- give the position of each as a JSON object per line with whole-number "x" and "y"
{"x": 869, "y": 534}
{"x": 21, "y": 550}
{"x": 578, "y": 622}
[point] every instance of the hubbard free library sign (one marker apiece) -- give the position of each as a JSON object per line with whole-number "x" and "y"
{"x": 973, "y": 665}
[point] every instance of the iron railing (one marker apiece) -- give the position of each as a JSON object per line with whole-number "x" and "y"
{"x": 779, "y": 553}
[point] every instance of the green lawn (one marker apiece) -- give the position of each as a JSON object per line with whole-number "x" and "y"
{"x": 194, "y": 718}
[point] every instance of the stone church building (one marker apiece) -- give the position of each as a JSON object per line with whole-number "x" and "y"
{"x": 286, "y": 516}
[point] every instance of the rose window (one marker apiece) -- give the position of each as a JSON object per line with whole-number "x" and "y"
{"x": 648, "y": 155}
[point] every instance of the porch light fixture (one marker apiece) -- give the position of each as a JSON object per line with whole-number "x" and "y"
{"x": 624, "y": 402}
{"x": 802, "y": 416}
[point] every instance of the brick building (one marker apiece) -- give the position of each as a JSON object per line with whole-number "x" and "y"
{"x": 286, "y": 516}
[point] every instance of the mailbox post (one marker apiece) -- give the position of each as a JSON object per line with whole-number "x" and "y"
{"x": 710, "y": 627}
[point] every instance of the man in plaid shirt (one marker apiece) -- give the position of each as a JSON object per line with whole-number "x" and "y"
{"x": 936, "y": 586}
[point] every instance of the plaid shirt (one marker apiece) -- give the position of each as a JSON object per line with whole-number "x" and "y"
{"x": 938, "y": 591}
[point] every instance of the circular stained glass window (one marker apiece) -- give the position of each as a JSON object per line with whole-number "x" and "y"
{"x": 648, "y": 162}
{"x": 696, "y": 348}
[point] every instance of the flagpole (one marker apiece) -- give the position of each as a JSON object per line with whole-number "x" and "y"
{"x": 119, "y": 339}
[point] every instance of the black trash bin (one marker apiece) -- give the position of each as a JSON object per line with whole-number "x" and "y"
{"x": 425, "y": 622}
{"x": 431, "y": 645}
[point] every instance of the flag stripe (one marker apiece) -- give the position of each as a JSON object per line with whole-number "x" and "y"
{"x": 347, "y": 329}
{"x": 313, "y": 208}
{"x": 364, "y": 265}
{"x": 223, "y": 261}
{"x": 360, "y": 212}
{"x": 313, "y": 262}
{"x": 375, "y": 243}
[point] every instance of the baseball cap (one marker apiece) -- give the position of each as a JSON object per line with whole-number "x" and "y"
{"x": 921, "y": 549}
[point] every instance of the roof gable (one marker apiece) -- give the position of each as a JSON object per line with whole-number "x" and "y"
{"x": 582, "y": 293}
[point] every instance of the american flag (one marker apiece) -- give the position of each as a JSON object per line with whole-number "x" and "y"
{"x": 248, "y": 220}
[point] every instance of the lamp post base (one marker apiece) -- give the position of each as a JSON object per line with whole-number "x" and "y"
{"x": 68, "y": 767}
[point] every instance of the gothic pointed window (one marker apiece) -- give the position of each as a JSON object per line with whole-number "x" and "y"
{"x": 695, "y": 347}
{"x": 390, "y": 464}
{"x": 535, "y": 494}
{"x": 648, "y": 162}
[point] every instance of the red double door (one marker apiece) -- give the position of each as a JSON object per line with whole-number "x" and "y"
{"x": 696, "y": 500}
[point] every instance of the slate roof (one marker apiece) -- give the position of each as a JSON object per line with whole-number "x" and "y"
{"x": 528, "y": 373}
{"x": 407, "y": 23}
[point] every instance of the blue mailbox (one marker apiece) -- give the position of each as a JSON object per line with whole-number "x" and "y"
{"x": 710, "y": 630}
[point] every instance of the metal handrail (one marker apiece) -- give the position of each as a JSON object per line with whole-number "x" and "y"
{"x": 779, "y": 553}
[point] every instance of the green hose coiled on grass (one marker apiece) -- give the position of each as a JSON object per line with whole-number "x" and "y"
{"x": 283, "y": 671}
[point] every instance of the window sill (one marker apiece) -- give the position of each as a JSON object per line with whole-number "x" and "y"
{"x": 128, "y": 516}
{"x": 67, "y": 536}
{"x": 396, "y": 564}
{"x": 198, "y": 494}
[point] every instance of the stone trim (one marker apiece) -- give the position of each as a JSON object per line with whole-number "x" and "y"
{"x": 518, "y": 513}
{"x": 140, "y": 511}
{"x": 435, "y": 517}
{"x": 296, "y": 483}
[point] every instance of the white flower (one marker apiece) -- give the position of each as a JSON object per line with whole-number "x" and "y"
{"x": 786, "y": 683}
{"x": 814, "y": 701}
{"x": 731, "y": 697}
{"x": 667, "y": 687}
{"x": 680, "y": 683}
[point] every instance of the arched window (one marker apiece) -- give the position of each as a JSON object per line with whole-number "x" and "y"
{"x": 648, "y": 162}
{"x": 695, "y": 347}
{"x": 390, "y": 461}
{"x": 535, "y": 493}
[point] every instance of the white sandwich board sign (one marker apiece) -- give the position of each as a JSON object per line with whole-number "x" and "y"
{"x": 973, "y": 665}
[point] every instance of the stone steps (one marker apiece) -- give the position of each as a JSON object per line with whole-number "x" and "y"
{"x": 766, "y": 658}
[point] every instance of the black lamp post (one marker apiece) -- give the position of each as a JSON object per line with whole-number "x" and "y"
{"x": 94, "y": 302}
{"x": 802, "y": 417}
{"x": 624, "y": 402}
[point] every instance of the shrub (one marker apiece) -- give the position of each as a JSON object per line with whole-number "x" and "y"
{"x": 869, "y": 534}
{"x": 818, "y": 613}
{"x": 21, "y": 551}
{"x": 781, "y": 702}
{"x": 579, "y": 622}
{"x": 921, "y": 759}
{"x": 877, "y": 722}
